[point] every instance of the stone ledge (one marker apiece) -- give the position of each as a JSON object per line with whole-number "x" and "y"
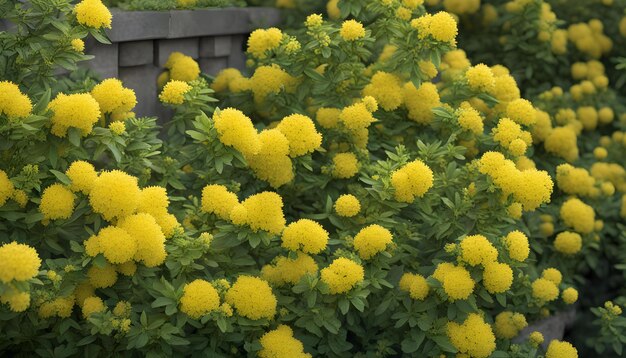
{"x": 146, "y": 25}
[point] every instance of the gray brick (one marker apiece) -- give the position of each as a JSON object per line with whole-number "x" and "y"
{"x": 237, "y": 58}
{"x": 262, "y": 17}
{"x": 215, "y": 46}
{"x": 136, "y": 53}
{"x": 188, "y": 23}
{"x": 142, "y": 79}
{"x": 105, "y": 62}
{"x": 212, "y": 66}
{"x": 163, "y": 48}
{"x": 138, "y": 25}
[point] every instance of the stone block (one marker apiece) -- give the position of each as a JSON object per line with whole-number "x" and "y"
{"x": 136, "y": 53}
{"x": 163, "y": 49}
{"x": 138, "y": 25}
{"x": 207, "y": 22}
{"x": 105, "y": 62}
{"x": 212, "y": 66}
{"x": 142, "y": 79}
{"x": 215, "y": 46}
{"x": 262, "y": 17}
{"x": 237, "y": 57}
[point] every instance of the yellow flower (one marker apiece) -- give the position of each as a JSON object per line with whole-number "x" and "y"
{"x": 261, "y": 41}
{"x": 411, "y": 181}
{"x": 153, "y": 200}
{"x": 117, "y": 245}
{"x": 281, "y": 343}
{"x": 497, "y": 277}
{"x": 333, "y": 10}
{"x": 345, "y": 165}
{"x": 199, "y": 298}
{"x": 301, "y": 133}
{"x": 216, "y": 199}
{"x": 117, "y": 127}
{"x": 148, "y": 235}
{"x": 347, "y": 205}
{"x": 578, "y": 215}
{"x": 356, "y": 116}
{"x": 536, "y": 338}
{"x": 371, "y": 240}
{"x": 305, "y": 235}
{"x": 568, "y": 243}
{"x": 112, "y": 96}
{"x": 342, "y": 275}
{"x": 544, "y": 290}
{"x": 182, "y": 67}
{"x": 574, "y": 180}
{"x": 93, "y": 13}
{"x": 6, "y": 187}
{"x": 102, "y": 277}
{"x": 562, "y": 142}
{"x": 264, "y": 211}
{"x": 92, "y": 305}
{"x": 268, "y": 80}
{"x": 508, "y": 324}
{"x": 420, "y": 101}
{"x": 83, "y": 175}
{"x": 569, "y": 295}
{"x": 13, "y": 103}
{"x": 114, "y": 194}
{"x": 517, "y": 245}
{"x": 456, "y": 280}
{"x": 473, "y": 337}
{"x": 75, "y": 110}
{"x": 352, "y": 30}
{"x": 553, "y": 275}
{"x": 288, "y": 270}
{"x": 272, "y": 162}
{"x": 236, "y": 130}
{"x": 441, "y": 26}
{"x": 18, "y": 262}
{"x": 313, "y": 21}
{"x": 328, "y": 117}
{"x": 252, "y": 298}
{"x": 127, "y": 268}
{"x": 477, "y": 250}
{"x": 57, "y": 202}
{"x": 173, "y": 92}
{"x": 558, "y": 349}
{"x": 521, "y": 111}
{"x": 224, "y": 78}
{"x": 480, "y": 78}
{"x": 78, "y": 45}
{"x": 469, "y": 119}
{"x": 386, "y": 88}
{"x": 415, "y": 284}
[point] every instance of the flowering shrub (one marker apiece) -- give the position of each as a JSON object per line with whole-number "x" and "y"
{"x": 364, "y": 189}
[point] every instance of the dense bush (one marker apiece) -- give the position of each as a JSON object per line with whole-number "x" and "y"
{"x": 362, "y": 190}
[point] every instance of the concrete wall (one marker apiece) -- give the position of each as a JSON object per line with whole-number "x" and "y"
{"x": 143, "y": 40}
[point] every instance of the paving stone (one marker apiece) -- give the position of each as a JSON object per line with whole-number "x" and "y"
{"x": 163, "y": 48}
{"x": 138, "y": 25}
{"x": 136, "y": 53}
{"x": 208, "y": 22}
{"x": 212, "y": 66}
{"x": 105, "y": 62}
{"x": 215, "y": 46}
{"x": 142, "y": 79}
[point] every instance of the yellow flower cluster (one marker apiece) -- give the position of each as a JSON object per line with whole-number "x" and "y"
{"x": 562, "y": 142}
{"x": 508, "y": 324}
{"x": 347, "y": 205}
{"x": 558, "y": 349}
{"x": 480, "y": 78}
{"x": 227, "y": 79}
{"x": 305, "y": 235}
{"x": 114, "y": 194}
{"x": 477, "y": 250}
{"x": 461, "y": 7}
{"x": 578, "y": 215}
{"x": 342, "y": 275}
{"x": 327, "y": 117}
{"x": 371, "y": 240}
{"x": 386, "y": 88}
{"x": 93, "y": 305}
{"x": 262, "y": 211}
{"x": 576, "y": 181}
{"x": 544, "y": 290}
{"x": 13, "y": 103}
{"x": 268, "y": 80}
{"x": 261, "y": 41}
{"x": 113, "y": 97}
{"x": 252, "y": 298}
{"x": 411, "y": 181}
{"x": 517, "y": 245}
{"x": 18, "y": 262}
{"x": 80, "y": 111}
{"x": 281, "y": 343}
{"x": 521, "y": 111}
{"x": 272, "y": 162}
{"x": 301, "y": 134}
{"x": 6, "y": 187}
{"x": 497, "y": 277}
{"x": 441, "y": 26}
{"x": 470, "y": 119}
{"x": 456, "y": 280}
{"x": 174, "y": 92}
{"x": 288, "y": 270}
{"x": 511, "y": 136}
{"x": 352, "y": 30}
{"x": 216, "y": 199}
{"x": 420, "y": 101}
{"x": 93, "y": 13}
{"x": 59, "y": 307}
{"x": 589, "y": 38}
{"x": 199, "y": 298}
{"x": 568, "y": 243}
{"x": 530, "y": 187}
{"x": 182, "y": 67}
{"x": 236, "y": 130}
{"x": 345, "y": 165}
{"x": 415, "y": 284}
{"x": 569, "y": 295}
{"x": 57, "y": 202}
{"x": 473, "y": 337}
